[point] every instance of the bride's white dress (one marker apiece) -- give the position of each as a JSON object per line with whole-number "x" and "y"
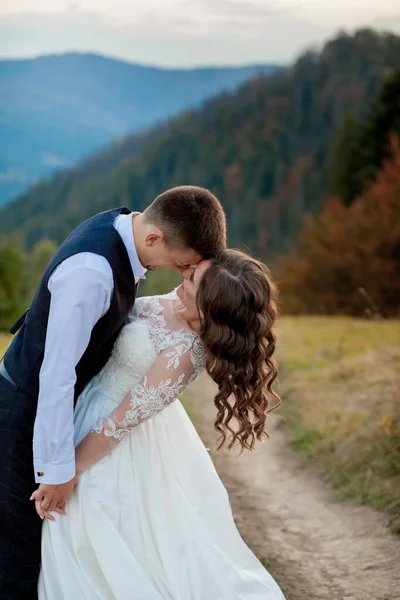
{"x": 151, "y": 520}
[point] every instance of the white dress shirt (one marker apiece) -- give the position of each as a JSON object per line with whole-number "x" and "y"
{"x": 81, "y": 289}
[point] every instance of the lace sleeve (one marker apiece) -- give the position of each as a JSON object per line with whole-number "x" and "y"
{"x": 173, "y": 370}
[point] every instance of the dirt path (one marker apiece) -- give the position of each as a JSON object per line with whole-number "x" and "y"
{"x": 315, "y": 547}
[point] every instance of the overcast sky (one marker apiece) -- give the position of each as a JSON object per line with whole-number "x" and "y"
{"x": 185, "y": 32}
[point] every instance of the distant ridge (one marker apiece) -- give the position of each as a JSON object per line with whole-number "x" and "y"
{"x": 56, "y": 109}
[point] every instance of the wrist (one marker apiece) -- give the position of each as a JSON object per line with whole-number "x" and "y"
{"x": 53, "y": 474}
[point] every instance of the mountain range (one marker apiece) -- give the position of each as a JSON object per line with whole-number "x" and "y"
{"x": 264, "y": 149}
{"x": 54, "y": 110}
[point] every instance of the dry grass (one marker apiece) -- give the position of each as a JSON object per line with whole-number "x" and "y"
{"x": 5, "y": 339}
{"x": 340, "y": 382}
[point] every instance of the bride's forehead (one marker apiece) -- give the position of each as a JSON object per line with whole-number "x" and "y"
{"x": 201, "y": 267}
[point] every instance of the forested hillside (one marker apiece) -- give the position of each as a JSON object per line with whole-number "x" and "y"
{"x": 55, "y": 110}
{"x": 347, "y": 259}
{"x": 265, "y": 150}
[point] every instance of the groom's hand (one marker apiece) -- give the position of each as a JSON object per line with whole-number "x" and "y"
{"x": 49, "y": 497}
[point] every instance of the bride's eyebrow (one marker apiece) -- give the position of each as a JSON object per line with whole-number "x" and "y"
{"x": 191, "y": 278}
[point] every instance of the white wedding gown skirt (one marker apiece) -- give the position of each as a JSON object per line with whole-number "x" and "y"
{"x": 150, "y": 521}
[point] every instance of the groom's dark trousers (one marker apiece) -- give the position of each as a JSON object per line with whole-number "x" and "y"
{"x": 20, "y": 526}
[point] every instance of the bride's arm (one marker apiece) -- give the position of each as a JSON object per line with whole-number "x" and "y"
{"x": 165, "y": 381}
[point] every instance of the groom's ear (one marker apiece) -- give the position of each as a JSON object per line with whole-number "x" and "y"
{"x": 153, "y": 238}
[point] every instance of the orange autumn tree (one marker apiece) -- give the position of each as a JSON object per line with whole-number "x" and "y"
{"x": 348, "y": 258}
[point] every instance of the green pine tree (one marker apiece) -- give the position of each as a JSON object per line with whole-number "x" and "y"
{"x": 345, "y": 160}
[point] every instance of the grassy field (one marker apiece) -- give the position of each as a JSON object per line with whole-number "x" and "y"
{"x": 340, "y": 382}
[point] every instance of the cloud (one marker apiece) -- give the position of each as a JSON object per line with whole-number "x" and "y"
{"x": 73, "y": 7}
{"x": 180, "y": 40}
{"x": 390, "y": 24}
{"x": 12, "y": 175}
{"x": 239, "y": 8}
{"x": 173, "y": 33}
{"x": 51, "y": 160}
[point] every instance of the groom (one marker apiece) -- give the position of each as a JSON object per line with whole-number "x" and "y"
{"x": 64, "y": 339}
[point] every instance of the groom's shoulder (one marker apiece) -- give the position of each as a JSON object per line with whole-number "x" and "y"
{"x": 107, "y": 217}
{"x": 107, "y": 214}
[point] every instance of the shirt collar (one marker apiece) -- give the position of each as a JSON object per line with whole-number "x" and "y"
{"x": 123, "y": 224}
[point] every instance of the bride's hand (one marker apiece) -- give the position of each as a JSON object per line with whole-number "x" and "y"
{"x": 52, "y": 498}
{"x": 42, "y": 514}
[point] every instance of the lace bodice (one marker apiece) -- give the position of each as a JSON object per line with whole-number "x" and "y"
{"x": 152, "y": 362}
{"x": 150, "y": 330}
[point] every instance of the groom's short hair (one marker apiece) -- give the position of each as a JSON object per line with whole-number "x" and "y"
{"x": 189, "y": 217}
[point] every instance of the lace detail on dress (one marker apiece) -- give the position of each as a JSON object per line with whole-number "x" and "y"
{"x": 180, "y": 359}
{"x": 162, "y": 336}
{"x": 146, "y": 401}
{"x": 179, "y": 340}
{"x": 198, "y": 357}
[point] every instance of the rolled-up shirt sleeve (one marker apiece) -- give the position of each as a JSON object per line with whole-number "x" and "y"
{"x": 81, "y": 290}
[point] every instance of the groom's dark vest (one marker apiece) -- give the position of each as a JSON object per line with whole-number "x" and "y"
{"x": 24, "y": 356}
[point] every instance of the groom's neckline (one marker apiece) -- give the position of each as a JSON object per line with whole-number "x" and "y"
{"x": 123, "y": 225}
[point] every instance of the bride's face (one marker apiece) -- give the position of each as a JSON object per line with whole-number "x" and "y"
{"x": 188, "y": 289}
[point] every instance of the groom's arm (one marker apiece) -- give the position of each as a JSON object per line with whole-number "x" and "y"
{"x": 81, "y": 289}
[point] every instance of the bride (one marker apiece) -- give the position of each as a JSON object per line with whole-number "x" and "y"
{"x": 150, "y": 519}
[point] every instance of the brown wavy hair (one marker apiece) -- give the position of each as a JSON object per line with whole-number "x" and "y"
{"x": 237, "y": 299}
{"x": 190, "y": 217}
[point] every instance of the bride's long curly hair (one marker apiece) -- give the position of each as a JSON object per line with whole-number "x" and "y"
{"x": 237, "y": 299}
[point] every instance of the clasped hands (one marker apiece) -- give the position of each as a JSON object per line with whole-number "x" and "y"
{"x": 52, "y": 498}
